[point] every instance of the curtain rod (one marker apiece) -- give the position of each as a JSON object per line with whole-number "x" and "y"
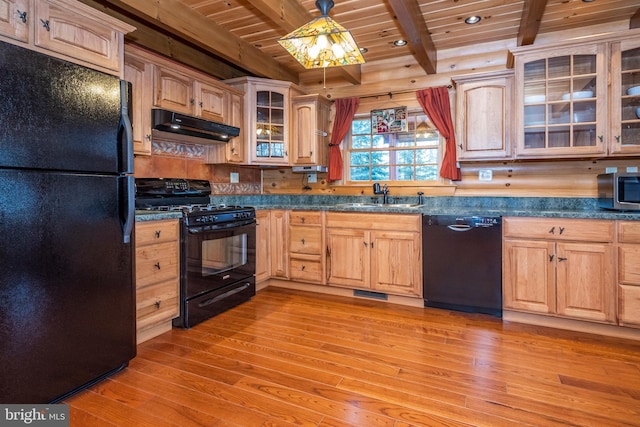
{"x": 390, "y": 94}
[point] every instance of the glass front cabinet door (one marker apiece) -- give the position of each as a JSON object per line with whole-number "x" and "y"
{"x": 625, "y": 97}
{"x": 562, "y": 94}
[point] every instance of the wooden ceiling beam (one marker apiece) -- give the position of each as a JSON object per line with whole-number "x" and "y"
{"x": 532, "y": 11}
{"x": 172, "y": 16}
{"x": 290, "y": 15}
{"x": 415, "y": 29}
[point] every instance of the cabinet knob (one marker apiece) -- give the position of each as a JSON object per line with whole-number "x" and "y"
{"x": 157, "y": 304}
{"x": 302, "y": 220}
{"x": 45, "y": 24}
{"x": 302, "y": 240}
{"x": 561, "y": 230}
{"x": 23, "y": 16}
{"x": 192, "y": 101}
{"x": 552, "y": 230}
{"x": 561, "y": 259}
{"x": 550, "y": 258}
{"x": 148, "y": 137}
{"x": 157, "y": 265}
{"x": 302, "y": 268}
{"x": 601, "y": 138}
{"x": 618, "y": 139}
{"x": 460, "y": 145}
{"x": 158, "y": 234}
{"x": 200, "y": 104}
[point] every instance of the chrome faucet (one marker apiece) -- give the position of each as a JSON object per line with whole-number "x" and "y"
{"x": 384, "y": 191}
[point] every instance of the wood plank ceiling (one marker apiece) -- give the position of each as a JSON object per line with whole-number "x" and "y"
{"x": 244, "y": 33}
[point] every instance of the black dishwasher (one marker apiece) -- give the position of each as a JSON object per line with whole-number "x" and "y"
{"x": 462, "y": 263}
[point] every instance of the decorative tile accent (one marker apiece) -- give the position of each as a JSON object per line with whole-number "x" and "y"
{"x": 241, "y": 188}
{"x": 178, "y": 149}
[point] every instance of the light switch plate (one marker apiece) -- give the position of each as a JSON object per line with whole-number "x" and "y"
{"x": 611, "y": 169}
{"x": 312, "y": 178}
{"x": 234, "y": 177}
{"x": 632, "y": 169}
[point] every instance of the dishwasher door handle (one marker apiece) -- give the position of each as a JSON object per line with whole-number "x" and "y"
{"x": 459, "y": 227}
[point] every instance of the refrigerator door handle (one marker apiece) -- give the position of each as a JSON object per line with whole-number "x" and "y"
{"x": 126, "y": 129}
{"x": 130, "y": 215}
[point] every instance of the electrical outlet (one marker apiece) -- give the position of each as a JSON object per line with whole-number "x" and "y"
{"x": 234, "y": 177}
{"x": 485, "y": 175}
{"x": 312, "y": 178}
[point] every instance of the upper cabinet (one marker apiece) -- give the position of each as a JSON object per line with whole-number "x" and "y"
{"x": 66, "y": 29}
{"x": 266, "y": 119}
{"x": 484, "y": 111}
{"x": 161, "y": 83}
{"x": 625, "y": 97}
{"x": 573, "y": 100}
{"x": 309, "y": 130}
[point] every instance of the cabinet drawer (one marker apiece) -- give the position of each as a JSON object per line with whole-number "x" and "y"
{"x": 369, "y": 221}
{"x": 150, "y": 232}
{"x": 629, "y": 305}
{"x": 156, "y": 303}
{"x": 156, "y": 263}
{"x": 629, "y": 264}
{"x": 305, "y": 240}
{"x": 305, "y": 218}
{"x": 629, "y": 231}
{"x": 559, "y": 229}
{"x": 305, "y": 270}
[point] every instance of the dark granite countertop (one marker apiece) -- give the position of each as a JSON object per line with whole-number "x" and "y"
{"x": 467, "y": 206}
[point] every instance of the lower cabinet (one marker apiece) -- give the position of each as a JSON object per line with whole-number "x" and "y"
{"x": 263, "y": 237}
{"x": 279, "y": 232}
{"x": 157, "y": 277}
{"x": 377, "y": 252}
{"x": 562, "y": 267}
{"x": 629, "y": 273}
{"x": 306, "y": 244}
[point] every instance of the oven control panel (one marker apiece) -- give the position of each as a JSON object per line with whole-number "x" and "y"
{"x": 222, "y": 219}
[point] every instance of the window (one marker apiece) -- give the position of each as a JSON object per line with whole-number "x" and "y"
{"x": 405, "y": 156}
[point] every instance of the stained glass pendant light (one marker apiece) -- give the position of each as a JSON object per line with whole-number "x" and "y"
{"x": 322, "y": 42}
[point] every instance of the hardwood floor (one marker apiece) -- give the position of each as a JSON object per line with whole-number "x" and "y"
{"x": 293, "y": 358}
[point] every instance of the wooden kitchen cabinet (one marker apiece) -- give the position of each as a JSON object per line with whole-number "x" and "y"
{"x": 378, "y": 252}
{"x": 484, "y": 115}
{"x": 279, "y": 244}
{"x": 157, "y": 277}
{"x": 234, "y": 151}
{"x": 562, "y": 267}
{"x": 263, "y": 238}
{"x": 140, "y": 73}
{"x": 15, "y": 19}
{"x": 306, "y": 246}
{"x": 173, "y": 90}
{"x": 629, "y": 273}
{"x": 310, "y": 130}
{"x": 624, "y": 137}
{"x": 65, "y": 29}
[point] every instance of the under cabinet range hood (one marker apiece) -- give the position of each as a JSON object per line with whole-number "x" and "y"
{"x": 170, "y": 125}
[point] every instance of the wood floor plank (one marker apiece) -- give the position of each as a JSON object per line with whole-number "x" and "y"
{"x": 297, "y": 358}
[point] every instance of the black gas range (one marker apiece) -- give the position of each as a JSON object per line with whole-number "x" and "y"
{"x": 217, "y": 257}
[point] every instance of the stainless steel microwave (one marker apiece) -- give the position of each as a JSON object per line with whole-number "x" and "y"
{"x": 619, "y": 191}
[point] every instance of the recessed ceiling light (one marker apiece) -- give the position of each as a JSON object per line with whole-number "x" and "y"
{"x": 400, "y": 42}
{"x": 472, "y": 20}
{"x": 364, "y": 50}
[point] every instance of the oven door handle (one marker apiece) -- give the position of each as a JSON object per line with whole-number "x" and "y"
{"x": 224, "y": 295}
{"x": 216, "y": 227}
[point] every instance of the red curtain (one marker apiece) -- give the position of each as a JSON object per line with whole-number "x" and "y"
{"x": 345, "y": 110}
{"x": 435, "y": 103}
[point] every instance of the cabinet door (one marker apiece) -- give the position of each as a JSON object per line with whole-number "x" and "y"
{"x": 139, "y": 73}
{"x": 348, "y": 258}
{"x": 15, "y": 16}
{"x": 263, "y": 260}
{"x": 529, "y": 276}
{"x": 73, "y": 34}
{"x": 396, "y": 263}
{"x": 279, "y": 244}
{"x": 211, "y": 102}
{"x": 625, "y": 97}
{"x": 309, "y": 133}
{"x": 173, "y": 91}
{"x": 483, "y": 119}
{"x": 586, "y": 281}
{"x": 561, "y": 96}
{"x": 270, "y": 132}
{"x": 236, "y": 152}
{"x": 629, "y": 305}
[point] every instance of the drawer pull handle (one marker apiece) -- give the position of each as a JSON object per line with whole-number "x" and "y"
{"x": 552, "y": 231}
{"x": 302, "y": 268}
{"x": 45, "y": 24}
{"x": 23, "y": 16}
{"x": 158, "y": 234}
{"x": 302, "y": 240}
{"x": 302, "y": 220}
{"x": 157, "y": 265}
{"x": 561, "y": 230}
{"x": 158, "y": 304}
{"x": 561, "y": 259}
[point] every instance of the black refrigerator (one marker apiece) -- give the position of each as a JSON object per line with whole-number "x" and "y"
{"x": 67, "y": 294}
